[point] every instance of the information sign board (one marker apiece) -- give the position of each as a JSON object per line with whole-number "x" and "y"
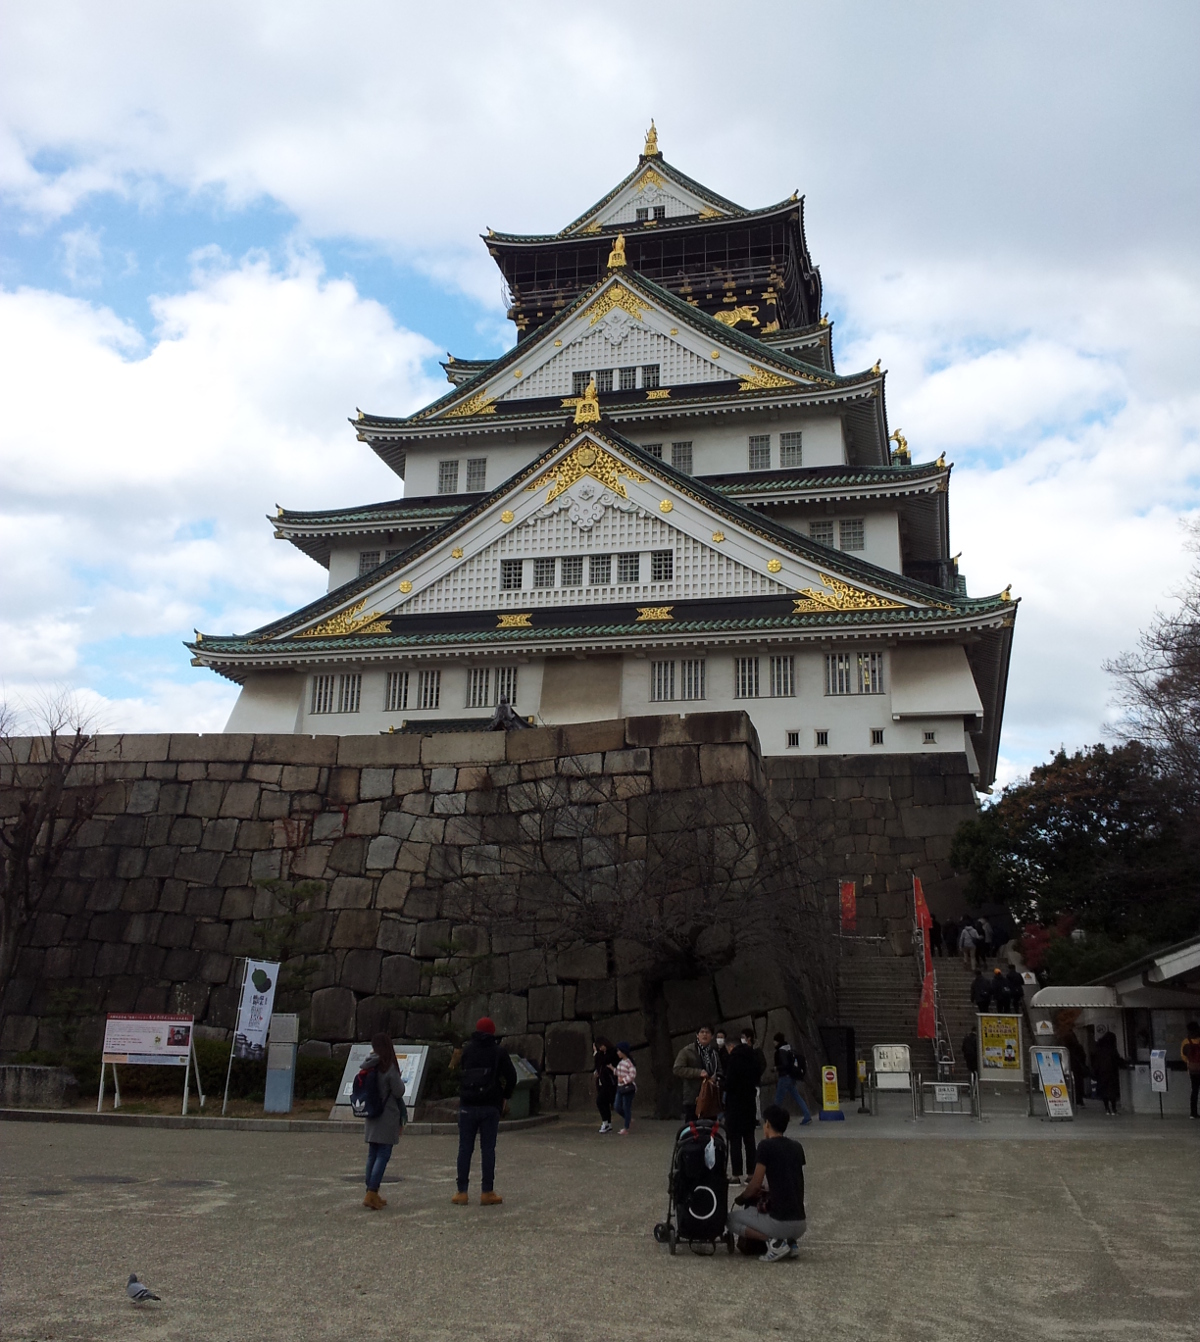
{"x": 411, "y": 1058}
{"x": 1000, "y": 1048}
{"x": 1049, "y": 1064}
{"x": 1158, "y": 1070}
{"x": 148, "y": 1041}
{"x": 944, "y": 1094}
{"x": 892, "y": 1058}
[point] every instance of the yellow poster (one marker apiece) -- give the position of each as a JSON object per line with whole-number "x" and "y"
{"x": 829, "y": 1088}
{"x": 1000, "y": 1048}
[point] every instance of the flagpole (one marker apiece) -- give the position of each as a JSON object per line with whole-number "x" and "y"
{"x": 233, "y": 1041}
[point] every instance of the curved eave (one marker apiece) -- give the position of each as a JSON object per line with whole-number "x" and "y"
{"x": 678, "y": 223}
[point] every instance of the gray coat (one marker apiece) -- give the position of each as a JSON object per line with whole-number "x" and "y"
{"x": 386, "y": 1128}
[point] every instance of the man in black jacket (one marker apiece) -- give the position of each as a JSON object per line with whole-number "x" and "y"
{"x": 981, "y": 993}
{"x": 743, "y": 1072}
{"x": 488, "y": 1081}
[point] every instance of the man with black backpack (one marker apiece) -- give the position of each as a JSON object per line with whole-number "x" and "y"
{"x": 790, "y": 1069}
{"x": 488, "y": 1081}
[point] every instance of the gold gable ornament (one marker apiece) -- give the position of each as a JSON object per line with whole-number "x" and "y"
{"x": 647, "y": 613}
{"x": 587, "y": 459}
{"x": 348, "y": 622}
{"x": 479, "y": 404}
{"x": 758, "y": 379}
{"x": 651, "y": 149}
{"x": 519, "y": 620}
{"x": 839, "y": 596}
{"x": 616, "y": 297}
{"x": 587, "y": 408}
{"x": 731, "y": 316}
{"x": 901, "y": 456}
{"x": 616, "y": 258}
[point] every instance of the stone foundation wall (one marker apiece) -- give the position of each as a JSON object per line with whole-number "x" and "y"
{"x": 159, "y": 897}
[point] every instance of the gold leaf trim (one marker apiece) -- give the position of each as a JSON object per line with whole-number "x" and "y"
{"x": 479, "y": 404}
{"x": 616, "y": 297}
{"x": 406, "y": 587}
{"x": 665, "y": 506}
{"x": 518, "y": 621}
{"x": 759, "y": 379}
{"x": 718, "y": 537}
{"x": 654, "y": 613}
{"x": 456, "y": 553}
{"x": 506, "y": 516}
{"x": 773, "y": 566}
{"x": 348, "y": 622}
{"x": 840, "y": 596}
{"x": 731, "y": 316}
{"x": 659, "y": 394}
{"x": 649, "y": 177}
{"x": 586, "y": 459}
{"x": 710, "y": 213}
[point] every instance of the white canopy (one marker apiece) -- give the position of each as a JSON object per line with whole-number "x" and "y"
{"x": 1084, "y": 997}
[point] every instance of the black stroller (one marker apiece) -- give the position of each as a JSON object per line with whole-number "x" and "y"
{"x": 698, "y": 1189}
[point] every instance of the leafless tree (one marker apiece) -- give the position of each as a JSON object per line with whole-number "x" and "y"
{"x": 682, "y": 883}
{"x": 46, "y": 795}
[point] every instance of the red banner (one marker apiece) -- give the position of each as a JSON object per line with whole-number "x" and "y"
{"x": 849, "y": 907}
{"x": 926, "y": 1015}
{"x": 924, "y": 921}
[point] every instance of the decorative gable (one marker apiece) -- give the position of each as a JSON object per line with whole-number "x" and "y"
{"x": 650, "y": 189}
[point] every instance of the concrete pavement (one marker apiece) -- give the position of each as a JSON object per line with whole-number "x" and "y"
{"x": 1007, "y": 1229}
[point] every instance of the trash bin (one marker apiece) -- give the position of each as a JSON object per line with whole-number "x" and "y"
{"x": 527, "y": 1081}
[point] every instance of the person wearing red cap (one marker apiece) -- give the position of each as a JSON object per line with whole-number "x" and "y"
{"x": 488, "y": 1080}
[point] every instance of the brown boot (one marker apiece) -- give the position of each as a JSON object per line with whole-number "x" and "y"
{"x": 381, "y": 1199}
{"x": 460, "y": 1199}
{"x": 372, "y": 1200}
{"x": 490, "y": 1199}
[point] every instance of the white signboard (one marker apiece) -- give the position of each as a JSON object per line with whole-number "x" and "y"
{"x": 254, "y": 1010}
{"x": 157, "y": 1041}
{"x": 1048, "y": 1062}
{"x": 892, "y": 1058}
{"x": 1158, "y": 1070}
{"x": 411, "y": 1058}
{"x": 945, "y": 1094}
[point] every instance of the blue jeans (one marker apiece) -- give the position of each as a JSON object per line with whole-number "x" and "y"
{"x": 378, "y": 1155}
{"x": 483, "y": 1119}
{"x": 623, "y": 1104}
{"x": 785, "y": 1086}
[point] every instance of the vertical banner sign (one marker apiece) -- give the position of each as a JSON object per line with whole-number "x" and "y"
{"x": 1158, "y": 1071}
{"x": 254, "y": 1010}
{"x": 1054, "y": 1083}
{"x": 1000, "y": 1048}
{"x": 927, "y": 1011}
{"x": 849, "y": 907}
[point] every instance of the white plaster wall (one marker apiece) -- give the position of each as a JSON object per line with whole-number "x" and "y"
{"x": 269, "y": 702}
{"x": 505, "y": 457}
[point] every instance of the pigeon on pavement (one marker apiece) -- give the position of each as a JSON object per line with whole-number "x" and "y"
{"x": 138, "y": 1291}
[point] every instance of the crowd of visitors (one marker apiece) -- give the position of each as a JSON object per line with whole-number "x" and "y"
{"x": 975, "y": 939}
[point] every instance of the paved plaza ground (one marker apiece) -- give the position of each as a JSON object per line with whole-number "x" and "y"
{"x": 950, "y": 1229}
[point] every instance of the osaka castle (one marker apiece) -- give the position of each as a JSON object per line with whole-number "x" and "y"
{"x": 665, "y": 498}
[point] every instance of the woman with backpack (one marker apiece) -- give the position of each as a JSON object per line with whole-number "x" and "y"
{"x": 383, "y": 1113}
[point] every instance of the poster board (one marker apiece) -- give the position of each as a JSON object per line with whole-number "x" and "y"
{"x": 1000, "y": 1049}
{"x": 412, "y": 1059}
{"x": 148, "y": 1041}
{"x": 1158, "y": 1071}
{"x": 254, "y": 1009}
{"x": 1048, "y": 1063}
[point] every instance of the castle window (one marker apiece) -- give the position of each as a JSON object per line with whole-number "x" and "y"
{"x": 821, "y": 532}
{"x": 642, "y": 213}
{"x": 390, "y": 554}
{"x": 821, "y": 736}
{"x": 655, "y": 449}
{"x": 839, "y": 673}
{"x": 510, "y": 575}
{"x": 629, "y": 379}
{"x": 629, "y": 567}
{"x": 790, "y": 453}
{"x": 349, "y": 693}
{"x": 783, "y": 677}
{"x": 429, "y": 689}
{"x": 852, "y": 533}
{"x": 931, "y": 738}
{"x": 660, "y": 211}
{"x": 745, "y": 677}
{"x": 662, "y": 681}
{"x": 793, "y": 740}
{"x": 599, "y": 570}
{"x": 506, "y": 684}
{"x": 572, "y": 571}
{"x": 579, "y": 383}
{"x": 604, "y": 381}
{"x": 662, "y": 565}
{"x": 870, "y": 673}
{"x": 447, "y": 477}
{"x": 681, "y": 457}
{"x": 476, "y": 474}
{"x": 367, "y": 560}
{"x": 543, "y": 572}
{"x": 649, "y": 375}
{"x": 760, "y": 451}
{"x": 691, "y": 678}
{"x": 877, "y": 736}
{"x": 847, "y": 673}
{"x": 479, "y": 684}
{"x": 322, "y": 694}
{"x": 395, "y": 696}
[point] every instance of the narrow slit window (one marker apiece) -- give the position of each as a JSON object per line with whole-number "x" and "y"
{"x": 793, "y": 740}
{"x": 649, "y": 376}
{"x": 572, "y": 571}
{"x": 429, "y": 689}
{"x": 821, "y": 736}
{"x": 662, "y": 682}
{"x": 931, "y": 738}
{"x": 790, "y": 453}
{"x": 629, "y": 567}
{"x": 745, "y": 677}
{"x": 839, "y": 673}
{"x": 877, "y": 736}
{"x": 662, "y": 565}
{"x": 510, "y": 575}
{"x": 506, "y": 684}
{"x": 479, "y": 684}
{"x": 476, "y": 474}
{"x": 395, "y": 697}
{"x": 367, "y": 560}
{"x": 691, "y": 678}
{"x": 322, "y": 694}
{"x": 870, "y": 673}
{"x": 447, "y": 477}
{"x": 349, "y": 692}
{"x": 760, "y": 452}
{"x": 681, "y": 457}
{"x": 783, "y": 677}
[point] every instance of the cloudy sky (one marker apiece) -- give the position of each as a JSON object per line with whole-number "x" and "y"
{"x": 225, "y": 226}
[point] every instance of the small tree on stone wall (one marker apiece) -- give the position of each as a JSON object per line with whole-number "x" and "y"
{"x": 680, "y": 883}
{"x": 46, "y": 796}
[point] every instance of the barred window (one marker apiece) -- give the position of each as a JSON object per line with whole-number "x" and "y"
{"x": 510, "y": 575}
{"x": 851, "y": 533}
{"x": 681, "y": 457}
{"x": 599, "y": 570}
{"x": 629, "y": 567}
{"x": 395, "y": 695}
{"x": 572, "y": 571}
{"x": 821, "y": 532}
{"x": 655, "y": 449}
{"x": 476, "y": 474}
{"x": 367, "y": 560}
{"x": 579, "y": 383}
{"x": 691, "y": 679}
{"x": 506, "y": 684}
{"x": 429, "y": 689}
{"x": 649, "y": 375}
{"x": 660, "y": 211}
{"x": 760, "y": 451}
{"x": 604, "y": 379}
{"x": 629, "y": 378}
{"x": 662, "y": 681}
{"x": 447, "y": 477}
{"x": 839, "y": 673}
{"x": 793, "y": 740}
{"x": 789, "y": 450}
{"x": 641, "y": 214}
{"x": 821, "y": 736}
{"x": 745, "y": 677}
{"x": 783, "y": 677}
{"x": 877, "y": 736}
{"x": 662, "y": 565}
{"x": 479, "y": 684}
{"x": 543, "y": 572}
{"x": 870, "y": 672}
{"x": 322, "y": 694}
{"x": 349, "y": 693}
{"x": 931, "y": 738}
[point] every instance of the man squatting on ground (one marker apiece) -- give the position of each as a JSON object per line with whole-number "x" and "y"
{"x": 488, "y": 1081}
{"x": 779, "y": 1162}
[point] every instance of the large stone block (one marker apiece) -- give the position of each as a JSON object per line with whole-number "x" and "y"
{"x": 690, "y": 1004}
{"x": 509, "y": 1012}
{"x": 349, "y": 856}
{"x": 332, "y": 1014}
{"x": 396, "y": 935}
{"x": 463, "y": 747}
{"x": 583, "y": 962}
{"x": 372, "y": 1017}
{"x": 361, "y": 970}
{"x": 350, "y": 892}
{"x": 378, "y": 751}
{"x": 629, "y": 1028}
{"x": 400, "y": 976}
{"x": 750, "y": 985}
{"x": 382, "y": 852}
{"x": 546, "y": 1003}
{"x": 240, "y": 800}
{"x": 355, "y": 927}
{"x": 595, "y": 997}
{"x": 343, "y": 785}
{"x": 569, "y": 1047}
{"x": 432, "y": 940}
{"x": 375, "y": 783}
{"x": 363, "y": 818}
